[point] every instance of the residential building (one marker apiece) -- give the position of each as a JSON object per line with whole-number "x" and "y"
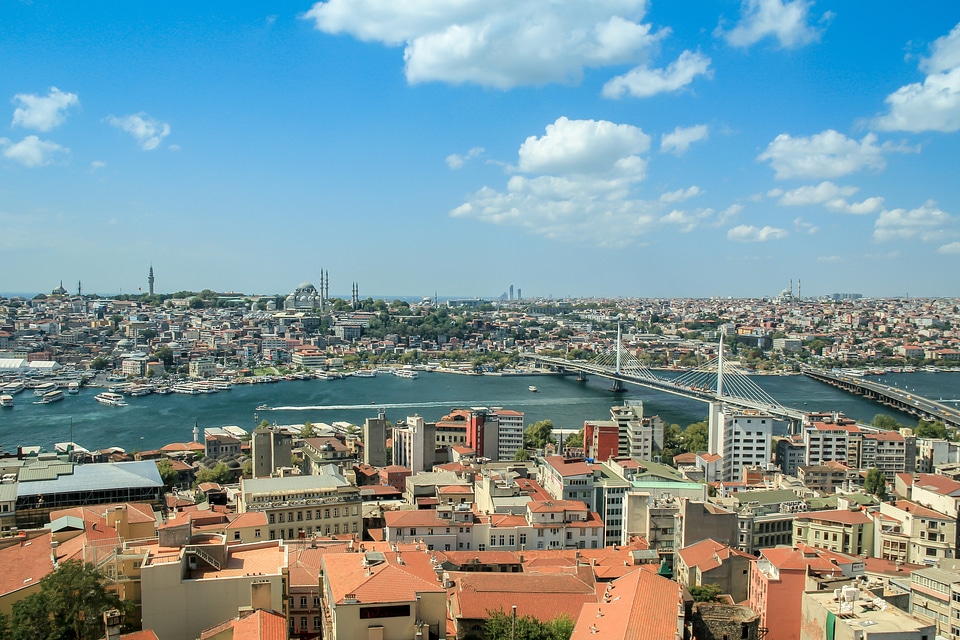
{"x": 271, "y": 449}
{"x": 842, "y": 530}
{"x": 935, "y": 597}
{"x": 414, "y": 444}
{"x": 712, "y": 562}
{"x": 790, "y": 454}
{"x": 304, "y": 506}
{"x": 375, "y": 441}
{"x": 856, "y": 614}
{"x": 741, "y": 437}
{"x": 909, "y": 532}
{"x": 777, "y": 582}
{"x": 640, "y": 604}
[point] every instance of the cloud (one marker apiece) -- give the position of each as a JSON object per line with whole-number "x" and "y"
{"x": 829, "y": 154}
{"x": 455, "y": 161}
{"x": 32, "y": 151}
{"x": 934, "y": 104}
{"x": 950, "y": 249}
{"x": 686, "y": 221}
{"x": 42, "y": 113}
{"x": 679, "y": 140}
{"x": 781, "y": 19}
{"x": 828, "y": 259}
{"x": 802, "y": 226}
{"x": 750, "y": 233}
{"x": 729, "y": 214}
{"x": 96, "y": 165}
{"x": 925, "y": 222}
{"x": 147, "y": 131}
{"x": 830, "y": 195}
{"x": 681, "y": 194}
{"x": 643, "y": 82}
{"x": 586, "y": 147}
{"x": 577, "y": 186}
{"x": 496, "y": 44}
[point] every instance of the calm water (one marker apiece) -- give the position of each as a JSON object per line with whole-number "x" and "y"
{"x": 152, "y": 421}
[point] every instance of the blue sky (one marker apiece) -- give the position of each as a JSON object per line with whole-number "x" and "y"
{"x": 609, "y": 148}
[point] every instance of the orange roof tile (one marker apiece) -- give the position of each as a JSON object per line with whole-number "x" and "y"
{"x": 25, "y": 564}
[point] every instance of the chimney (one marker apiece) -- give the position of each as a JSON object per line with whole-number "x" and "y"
{"x": 112, "y": 620}
{"x": 261, "y": 595}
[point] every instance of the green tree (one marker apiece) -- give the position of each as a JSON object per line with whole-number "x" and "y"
{"x": 307, "y": 431}
{"x": 538, "y": 435}
{"x": 574, "y": 441}
{"x": 935, "y": 429}
{"x": 876, "y": 483}
{"x": 705, "y": 593}
{"x": 522, "y": 455}
{"x": 99, "y": 363}
{"x": 70, "y": 604}
{"x": 149, "y": 334}
{"x": 168, "y": 474}
{"x": 696, "y": 437}
{"x": 500, "y": 626}
{"x": 165, "y": 355}
{"x": 197, "y": 303}
{"x": 220, "y": 474}
{"x": 883, "y": 421}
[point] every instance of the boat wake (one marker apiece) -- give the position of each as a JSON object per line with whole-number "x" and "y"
{"x": 444, "y": 403}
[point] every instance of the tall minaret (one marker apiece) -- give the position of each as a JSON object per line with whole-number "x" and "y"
{"x": 326, "y": 286}
{"x": 150, "y": 280}
{"x": 79, "y": 289}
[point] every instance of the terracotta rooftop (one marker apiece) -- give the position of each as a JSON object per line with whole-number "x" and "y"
{"x": 840, "y": 516}
{"x": 640, "y": 605}
{"x": 25, "y": 564}
{"x": 380, "y": 583}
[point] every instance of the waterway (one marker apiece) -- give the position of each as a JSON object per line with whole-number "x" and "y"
{"x": 149, "y": 422}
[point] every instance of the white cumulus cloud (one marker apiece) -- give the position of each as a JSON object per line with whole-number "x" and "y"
{"x": 750, "y": 233}
{"x": 828, "y": 154}
{"x": 496, "y": 43}
{"x": 147, "y": 131}
{"x": 786, "y": 21}
{"x": 934, "y": 104}
{"x": 643, "y": 82}
{"x": 455, "y": 161}
{"x": 42, "y": 113}
{"x": 813, "y": 194}
{"x": 925, "y": 222}
{"x": 862, "y": 208}
{"x": 32, "y": 151}
{"x": 949, "y": 249}
{"x": 681, "y": 194}
{"x": 586, "y": 147}
{"x": 802, "y": 226}
{"x": 679, "y": 140}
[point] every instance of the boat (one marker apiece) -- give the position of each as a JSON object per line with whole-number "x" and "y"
{"x": 222, "y": 386}
{"x": 364, "y": 373}
{"x": 73, "y": 388}
{"x": 14, "y": 387}
{"x": 43, "y": 389}
{"x": 162, "y": 390}
{"x": 532, "y": 389}
{"x": 407, "y": 374}
{"x": 187, "y": 389}
{"x": 52, "y": 396}
{"x": 261, "y": 407}
{"x": 141, "y": 390}
{"x": 112, "y": 399}
{"x": 6, "y": 400}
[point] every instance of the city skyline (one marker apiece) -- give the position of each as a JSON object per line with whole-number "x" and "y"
{"x": 618, "y": 148}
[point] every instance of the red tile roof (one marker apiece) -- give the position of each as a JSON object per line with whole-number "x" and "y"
{"x": 840, "y": 516}
{"x": 542, "y": 595}
{"x": 25, "y": 564}
{"x": 641, "y": 605}
{"x": 381, "y": 583}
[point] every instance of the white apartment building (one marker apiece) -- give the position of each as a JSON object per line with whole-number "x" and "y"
{"x": 639, "y": 437}
{"x": 740, "y": 437}
{"x": 844, "y": 441}
{"x": 409, "y": 445}
{"x": 509, "y": 432}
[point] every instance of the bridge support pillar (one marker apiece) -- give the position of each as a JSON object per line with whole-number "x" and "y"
{"x": 581, "y": 376}
{"x": 618, "y": 386}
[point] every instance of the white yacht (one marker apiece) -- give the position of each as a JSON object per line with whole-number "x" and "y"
{"x": 42, "y": 389}
{"x": 112, "y": 399}
{"x": 73, "y": 388}
{"x": 6, "y": 400}
{"x": 52, "y": 396}
{"x": 14, "y": 387}
{"x": 408, "y": 374}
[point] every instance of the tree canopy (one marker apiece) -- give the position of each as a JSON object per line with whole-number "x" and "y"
{"x": 70, "y": 604}
{"x": 876, "y": 483}
{"x": 499, "y": 626}
{"x": 538, "y": 435}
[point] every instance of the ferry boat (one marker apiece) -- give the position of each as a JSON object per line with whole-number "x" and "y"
{"x": 73, "y": 388}
{"x": 6, "y": 400}
{"x": 532, "y": 389}
{"x": 14, "y": 387}
{"x": 222, "y": 386}
{"x": 45, "y": 388}
{"x": 162, "y": 390}
{"x": 112, "y": 399}
{"x": 364, "y": 373}
{"x": 52, "y": 396}
{"x": 141, "y": 390}
{"x": 187, "y": 389}
{"x": 406, "y": 374}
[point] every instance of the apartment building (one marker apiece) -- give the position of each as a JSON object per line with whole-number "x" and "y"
{"x": 304, "y": 506}
{"x": 741, "y": 437}
{"x": 841, "y": 530}
{"x": 935, "y": 597}
{"x": 911, "y": 533}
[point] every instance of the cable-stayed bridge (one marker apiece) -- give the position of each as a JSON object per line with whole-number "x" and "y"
{"x": 714, "y": 381}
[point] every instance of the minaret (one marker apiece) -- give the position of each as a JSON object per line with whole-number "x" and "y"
{"x": 79, "y": 289}
{"x": 326, "y": 286}
{"x": 150, "y": 280}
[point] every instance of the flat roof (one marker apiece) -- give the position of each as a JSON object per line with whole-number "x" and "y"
{"x": 97, "y": 477}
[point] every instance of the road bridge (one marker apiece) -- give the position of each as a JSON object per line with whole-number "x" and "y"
{"x": 893, "y": 397}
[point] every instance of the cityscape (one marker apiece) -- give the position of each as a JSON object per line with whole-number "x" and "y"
{"x": 754, "y": 506}
{"x": 435, "y": 320}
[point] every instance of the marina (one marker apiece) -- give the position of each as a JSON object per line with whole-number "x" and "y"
{"x": 157, "y": 419}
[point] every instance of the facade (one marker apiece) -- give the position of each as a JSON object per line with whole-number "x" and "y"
{"x": 777, "y": 582}
{"x": 742, "y": 438}
{"x": 271, "y": 449}
{"x": 911, "y": 533}
{"x": 935, "y": 597}
{"x": 841, "y": 530}
{"x": 855, "y": 615}
{"x": 839, "y": 439}
{"x": 712, "y": 562}
{"x": 640, "y": 437}
{"x": 375, "y": 441}
{"x": 304, "y": 506}
{"x": 791, "y": 454}
{"x": 414, "y": 444}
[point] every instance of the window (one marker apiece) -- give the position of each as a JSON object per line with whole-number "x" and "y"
{"x": 303, "y": 622}
{"x": 236, "y": 535}
{"x": 290, "y": 534}
{"x": 413, "y": 532}
{"x": 299, "y": 516}
{"x": 316, "y": 622}
{"x": 303, "y": 605}
{"x": 256, "y": 533}
{"x": 270, "y": 518}
{"x": 280, "y": 517}
{"x": 326, "y": 513}
{"x": 336, "y": 512}
{"x": 523, "y": 538}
